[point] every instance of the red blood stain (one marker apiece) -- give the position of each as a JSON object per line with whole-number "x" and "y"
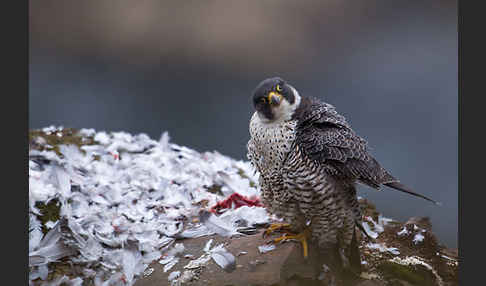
{"x": 237, "y": 201}
{"x": 115, "y": 155}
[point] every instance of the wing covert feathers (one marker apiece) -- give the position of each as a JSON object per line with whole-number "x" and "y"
{"x": 324, "y": 136}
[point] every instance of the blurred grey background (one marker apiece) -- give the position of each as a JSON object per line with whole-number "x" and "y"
{"x": 188, "y": 67}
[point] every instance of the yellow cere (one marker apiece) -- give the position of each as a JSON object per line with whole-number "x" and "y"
{"x": 275, "y": 94}
{"x": 278, "y": 88}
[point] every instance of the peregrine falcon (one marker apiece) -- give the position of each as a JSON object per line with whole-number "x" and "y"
{"x": 310, "y": 160}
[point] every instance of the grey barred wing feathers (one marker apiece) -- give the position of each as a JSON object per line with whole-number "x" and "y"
{"x": 326, "y": 137}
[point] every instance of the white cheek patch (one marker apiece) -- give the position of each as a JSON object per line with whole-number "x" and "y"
{"x": 283, "y": 112}
{"x": 297, "y": 97}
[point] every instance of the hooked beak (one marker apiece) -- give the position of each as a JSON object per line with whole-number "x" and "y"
{"x": 274, "y": 98}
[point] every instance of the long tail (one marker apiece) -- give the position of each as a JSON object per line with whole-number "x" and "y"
{"x": 405, "y": 189}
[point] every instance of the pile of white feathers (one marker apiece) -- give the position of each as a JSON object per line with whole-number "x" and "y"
{"x": 123, "y": 203}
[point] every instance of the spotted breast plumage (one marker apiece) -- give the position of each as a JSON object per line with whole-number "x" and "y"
{"x": 310, "y": 160}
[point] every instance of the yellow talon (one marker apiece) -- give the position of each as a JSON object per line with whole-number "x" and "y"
{"x": 276, "y": 226}
{"x": 301, "y": 237}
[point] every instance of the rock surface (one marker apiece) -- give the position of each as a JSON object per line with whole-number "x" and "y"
{"x": 405, "y": 263}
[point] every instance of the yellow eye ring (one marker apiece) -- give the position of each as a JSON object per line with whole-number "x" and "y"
{"x": 279, "y": 88}
{"x": 264, "y": 100}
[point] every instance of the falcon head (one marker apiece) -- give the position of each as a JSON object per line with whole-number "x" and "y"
{"x": 275, "y": 100}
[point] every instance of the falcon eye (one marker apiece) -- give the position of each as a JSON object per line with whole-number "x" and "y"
{"x": 264, "y": 100}
{"x": 279, "y": 88}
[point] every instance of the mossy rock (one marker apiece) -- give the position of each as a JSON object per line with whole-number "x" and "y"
{"x": 413, "y": 274}
{"x": 66, "y": 136}
{"x": 215, "y": 189}
{"x": 49, "y": 212}
{"x": 59, "y": 269}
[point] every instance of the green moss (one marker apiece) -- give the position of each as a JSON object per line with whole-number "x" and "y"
{"x": 243, "y": 175}
{"x": 59, "y": 269}
{"x": 66, "y": 136}
{"x": 215, "y": 189}
{"x": 49, "y": 212}
{"x": 414, "y": 274}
